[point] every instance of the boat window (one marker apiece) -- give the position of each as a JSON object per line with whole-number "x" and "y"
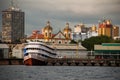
{"x": 26, "y": 54}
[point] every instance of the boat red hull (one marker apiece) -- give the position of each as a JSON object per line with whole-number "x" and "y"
{"x": 32, "y": 62}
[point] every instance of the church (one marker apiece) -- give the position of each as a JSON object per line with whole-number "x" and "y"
{"x": 46, "y": 35}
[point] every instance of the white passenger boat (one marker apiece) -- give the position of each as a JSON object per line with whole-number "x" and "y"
{"x": 35, "y": 53}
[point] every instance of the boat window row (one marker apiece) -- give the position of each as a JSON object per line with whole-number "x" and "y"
{"x": 47, "y": 46}
{"x": 51, "y": 53}
{"x": 45, "y": 55}
{"x": 42, "y": 45}
{"x": 33, "y": 48}
{"x": 41, "y": 49}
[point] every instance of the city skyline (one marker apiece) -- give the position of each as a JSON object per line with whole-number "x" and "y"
{"x": 58, "y": 12}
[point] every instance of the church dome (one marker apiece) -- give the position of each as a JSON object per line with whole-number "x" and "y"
{"x": 48, "y": 27}
{"x": 67, "y": 29}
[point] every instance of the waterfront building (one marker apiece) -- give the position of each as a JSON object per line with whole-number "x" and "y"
{"x": 4, "y": 51}
{"x": 70, "y": 50}
{"x": 107, "y": 51}
{"x": 47, "y": 35}
{"x": 18, "y": 51}
{"x": 12, "y": 24}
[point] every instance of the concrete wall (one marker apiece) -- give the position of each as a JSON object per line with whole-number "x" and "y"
{"x": 18, "y": 53}
{"x": 4, "y": 52}
{"x": 72, "y": 54}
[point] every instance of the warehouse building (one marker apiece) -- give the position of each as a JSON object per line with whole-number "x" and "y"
{"x": 107, "y": 51}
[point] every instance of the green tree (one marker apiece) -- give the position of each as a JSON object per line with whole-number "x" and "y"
{"x": 117, "y": 41}
{"x": 73, "y": 42}
{"x": 90, "y": 42}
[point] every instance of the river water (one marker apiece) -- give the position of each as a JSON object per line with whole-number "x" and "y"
{"x": 21, "y": 72}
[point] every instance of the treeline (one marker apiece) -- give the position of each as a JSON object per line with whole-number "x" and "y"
{"x": 90, "y": 42}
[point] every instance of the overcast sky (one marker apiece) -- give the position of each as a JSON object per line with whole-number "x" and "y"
{"x": 58, "y": 12}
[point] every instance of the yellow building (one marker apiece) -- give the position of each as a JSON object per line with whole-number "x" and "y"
{"x": 105, "y": 28}
{"x": 67, "y": 31}
{"x": 47, "y": 32}
{"x": 94, "y": 28}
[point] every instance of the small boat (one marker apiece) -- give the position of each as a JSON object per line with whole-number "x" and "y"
{"x": 36, "y": 53}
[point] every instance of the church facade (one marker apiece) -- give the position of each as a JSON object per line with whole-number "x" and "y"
{"x": 61, "y": 37}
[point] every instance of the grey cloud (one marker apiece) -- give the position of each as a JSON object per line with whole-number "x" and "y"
{"x": 73, "y": 11}
{"x": 74, "y": 6}
{"x": 59, "y": 12}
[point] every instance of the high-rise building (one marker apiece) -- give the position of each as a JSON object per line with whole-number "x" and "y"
{"x": 80, "y": 32}
{"x": 78, "y": 28}
{"x": 12, "y": 24}
{"x": 105, "y": 28}
{"x": 93, "y": 31}
{"x": 115, "y": 31}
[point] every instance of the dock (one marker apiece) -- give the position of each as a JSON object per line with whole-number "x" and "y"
{"x": 11, "y": 61}
{"x": 68, "y": 62}
{"x": 82, "y": 62}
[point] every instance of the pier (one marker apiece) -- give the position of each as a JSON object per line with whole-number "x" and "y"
{"x": 68, "y": 62}
{"x": 11, "y": 61}
{"x": 82, "y": 62}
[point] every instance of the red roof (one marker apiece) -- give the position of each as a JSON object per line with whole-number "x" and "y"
{"x": 108, "y": 26}
{"x": 104, "y": 26}
{"x": 38, "y": 36}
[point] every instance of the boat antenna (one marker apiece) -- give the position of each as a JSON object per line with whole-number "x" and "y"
{"x": 37, "y": 35}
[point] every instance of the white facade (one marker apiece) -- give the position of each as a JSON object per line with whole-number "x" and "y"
{"x": 72, "y": 54}
{"x": 78, "y": 28}
{"x": 93, "y": 33}
{"x": 116, "y": 38}
{"x": 79, "y": 36}
{"x": 18, "y": 51}
{"x": 70, "y": 51}
{"x": 81, "y": 32}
